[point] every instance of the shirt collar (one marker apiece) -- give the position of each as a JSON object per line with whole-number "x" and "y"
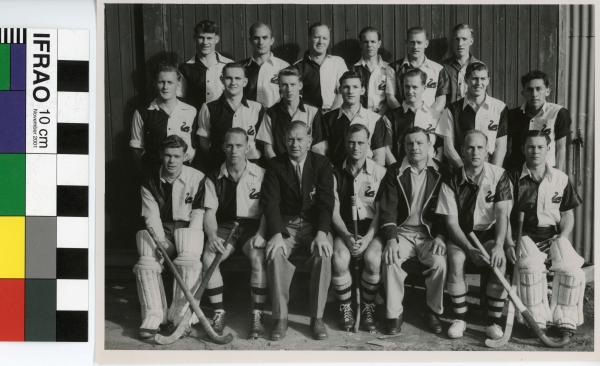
{"x": 244, "y": 101}
{"x": 359, "y": 113}
{"x": 196, "y": 59}
{"x": 406, "y": 165}
{"x": 283, "y": 107}
{"x": 307, "y": 57}
{"x": 380, "y": 62}
{"x": 544, "y": 108}
{"x": 179, "y": 105}
{"x": 367, "y": 168}
{"x": 180, "y": 177}
{"x": 454, "y": 61}
{"x": 485, "y": 103}
{"x": 482, "y": 176}
{"x": 251, "y": 169}
{"x": 301, "y": 162}
{"x": 406, "y": 63}
{"x": 423, "y": 107}
{"x": 525, "y": 172}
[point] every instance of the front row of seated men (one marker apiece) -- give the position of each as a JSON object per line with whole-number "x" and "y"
{"x": 300, "y": 203}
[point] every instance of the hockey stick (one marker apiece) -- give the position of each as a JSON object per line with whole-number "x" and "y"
{"x": 510, "y": 316}
{"x": 190, "y": 298}
{"x": 355, "y": 263}
{"x": 517, "y": 301}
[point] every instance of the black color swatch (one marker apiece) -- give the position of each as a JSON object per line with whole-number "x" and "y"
{"x": 72, "y": 138}
{"x": 72, "y": 263}
{"x": 72, "y": 201}
{"x": 40, "y": 310}
{"x": 72, "y": 326}
{"x": 73, "y": 76}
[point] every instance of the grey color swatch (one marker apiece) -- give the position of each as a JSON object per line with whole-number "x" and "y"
{"x": 40, "y": 247}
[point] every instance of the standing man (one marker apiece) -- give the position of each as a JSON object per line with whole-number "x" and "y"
{"x": 377, "y": 76}
{"x": 476, "y": 111}
{"x": 297, "y": 199}
{"x": 410, "y": 228}
{"x": 538, "y": 114}
{"x": 477, "y": 198}
{"x": 232, "y": 109}
{"x": 330, "y": 134}
{"x": 165, "y": 116}
{"x": 547, "y": 198}
{"x": 290, "y": 108}
{"x": 413, "y": 112}
{"x": 456, "y": 65}
{"x": 358, "y": 179}
{"x": 233, "y": 194}
{"x": 437, "y": 84}
{"x": 201, "y": 81}
{"x": 172, "y": 196}
{"x": 320, "y": 71}
{"x": 262, "y": 68}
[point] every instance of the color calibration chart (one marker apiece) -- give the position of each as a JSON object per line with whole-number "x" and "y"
{"x": 44, "y": 124}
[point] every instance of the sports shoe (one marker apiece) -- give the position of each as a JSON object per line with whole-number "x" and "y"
{"x": 494, "y": 331}
{"x": 257, "y": 328}
{"x": 218, "y": 321}
{"x": 346, "y": 317}
{"x": 457, "y": 328}
{"x": 367, "y": 318}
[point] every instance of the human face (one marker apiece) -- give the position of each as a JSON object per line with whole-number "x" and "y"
{"x": 461, "y": 43}
{"x": 370, "y": 44}
{"x": 413, "y": 89}
{"x": 206, "y": 43}
{"x": 477, "y": 83}
{"x": 235, "y": 147}
{"x": 474, "y": 150}
{"x": 358, "y": 145}
{"x": 167, "y": 84}
{"x": 416, "y": 45}
{"x": 234, "y": 81}
{"x": 416, "y": 147}
{"x": 320, "y": 39}
{"x": 535, "y": 150}
{"x": 262, "y": 40}
{"x": 351, "y": 90}
{"x": 297, "y": 143}
{"x": 535, "y": 93}
{"x": 172, "y": 160}
{"x": 289, "y": 87}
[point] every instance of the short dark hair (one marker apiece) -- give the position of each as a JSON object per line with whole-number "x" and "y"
{"x": 235, "y": 130}
{"x": 368, "y": 29}
{"x": 206, "y": 26}
{"x": 533, "y": 75}
{"x": 357, "y": 127}
{"x": 315, "y": 25}
{"x": 289, "y": 71}
{"x": 165, "y": 66}
{"x": 173, "y": 142}
{"x": 417, "y": 29}
{"x": 475, "y": 132}
{"x": 536, "y": 133}
{"x": 416, "y": 129}
{"x": 415, "y": 72}
{"x": 463, "y": 26}
{"x": 475, "y": 66}
{"x": 233, "y": 65}
{"x": 257, "y": 25}
{"x": 296, "y": 124}
{"x": 351, "y": 75}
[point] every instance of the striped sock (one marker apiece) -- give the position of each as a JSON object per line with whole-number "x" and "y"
{"x": 369, "y": 286}
{"x": 343, "y": 286}
{"x": 459, "y": 305}
{"x": 259, "y": 297}
{"x": 215, "y": 296}
{"x": 494, "y": 309}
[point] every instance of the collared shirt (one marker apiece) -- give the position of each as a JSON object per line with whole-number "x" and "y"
{"x": 462, "y": 116}
{"x": 299, "y": 164}
{"x": 276, "y": 119}
{"x": 201, "y": 84}
{"x": 215, "y": 118}
{"x": 473, "y": 202}
{"x": 177, "y": 201}
{"x": 335, "y": 125}
{"x": 263, "y": 82}
{"x": 437, "y": 83}
{"x": 232, "y": 199}
{"x": 321, "y": 82}
{"x": 377, "y": 83}
{"x": 455, "y": 74}
{"x": 552, "y": 118}
{"x": 418, "y": 180}
{"x": 405, "y": 117}
{"x": 365, "y": 185}
{"x": 151, "y": 126}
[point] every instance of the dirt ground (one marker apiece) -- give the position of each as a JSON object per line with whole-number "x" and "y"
{"x": 123, "y": 318}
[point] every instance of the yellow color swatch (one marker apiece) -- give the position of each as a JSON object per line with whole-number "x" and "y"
{"x": 12, "y": 247}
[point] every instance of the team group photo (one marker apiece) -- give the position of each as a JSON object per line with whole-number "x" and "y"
{"x": 349, "y": 177}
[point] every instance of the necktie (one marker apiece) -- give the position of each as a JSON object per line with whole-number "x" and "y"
{"x": 299, "y": 175}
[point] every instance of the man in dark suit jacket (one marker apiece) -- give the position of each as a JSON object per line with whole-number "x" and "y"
{"x": 297, "y": 200}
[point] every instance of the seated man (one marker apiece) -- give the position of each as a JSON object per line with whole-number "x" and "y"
{"x": 297, "y": 199}
{"x": 409, "y": 228}
{"x": 233, "y": 194}
{"x": 171, "y": 206}
{"x": 476, "y": 198}
{"x": 547, "y": 198}
{"x": 358, "y": 179}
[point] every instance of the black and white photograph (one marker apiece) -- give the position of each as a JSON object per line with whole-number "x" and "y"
{"x": 348, "y": 177}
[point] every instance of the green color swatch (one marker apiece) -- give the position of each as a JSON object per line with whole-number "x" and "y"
{"x": 12, "y": 185}
{"x": 4, "y": 66}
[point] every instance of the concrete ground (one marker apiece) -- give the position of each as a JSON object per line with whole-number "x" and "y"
{"x": 123, "y": 318}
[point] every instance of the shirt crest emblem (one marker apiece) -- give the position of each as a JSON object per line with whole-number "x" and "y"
{"x": 188, "y": 198}
{"x": 489, "y": 197}
{"x": 312, "y": 193}
{"x": 492, "y": 126}
{"x": 369, "y": 192}
{"x": 431, "y": 83}
{"x": 184, "y": 127}
{"x": 275, "y": 79}
{"x": 546, "y": 131}
{"x": 556, "y": 198}
{"x": 254, "y": 194}
{"x": 250, "y": 131}
{"x": 381, "y": 85}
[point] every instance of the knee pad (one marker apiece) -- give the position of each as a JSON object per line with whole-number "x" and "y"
{"x": 567, "y": 298}
{"x": 147, "y": 251}
{"x": 564, "y": 257}
{"x": 533, "y": 292}
{"x": 531, "y": 257}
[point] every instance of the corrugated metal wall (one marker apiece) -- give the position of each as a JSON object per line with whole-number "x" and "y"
{"x": 511, "y": 39}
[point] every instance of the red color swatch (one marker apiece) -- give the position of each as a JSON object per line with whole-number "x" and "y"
{"x": 12, "y": 310}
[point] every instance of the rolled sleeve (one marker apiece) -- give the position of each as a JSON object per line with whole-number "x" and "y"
{"x": 210, "y": 195}
{"x": 570, "y": 198}
{"x": 446, "y": 204}
{"x": 265, "y": 132}
{"x": 563, "y": 124}
{"x": 503, "y": 123}
{"x": 137, "y": 131}
{"x": 382, "y": 134}
{"x": 204, "y": 122}
{"x": 445, "y": 126}
{"x": 443, "y": 87}
{"x": 503, "y": 189}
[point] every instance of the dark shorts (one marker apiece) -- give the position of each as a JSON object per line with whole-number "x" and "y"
{"x": 246, "y": 230}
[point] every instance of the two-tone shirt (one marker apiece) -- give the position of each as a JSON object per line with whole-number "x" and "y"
{"x": 320, "y": 83}
{"x": 436, "y": 85}
{"x": 276, "y": 120}
{"x": 263, "y": 80}
{"x": 377, "y": 83}
{"x": 463, "y": 115}
{"x": 179, "y": 200}
{"x": 552, "y": 119}
{"x": 150, "y": 126}
{"x": 334, "y": 127}
{"x": 201, "y": 83}
{"x": 404, "y": 118}
{"x": 473, "y": 202}
{"x": 235, "y": 200}
{"x": 455, "y": 74}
